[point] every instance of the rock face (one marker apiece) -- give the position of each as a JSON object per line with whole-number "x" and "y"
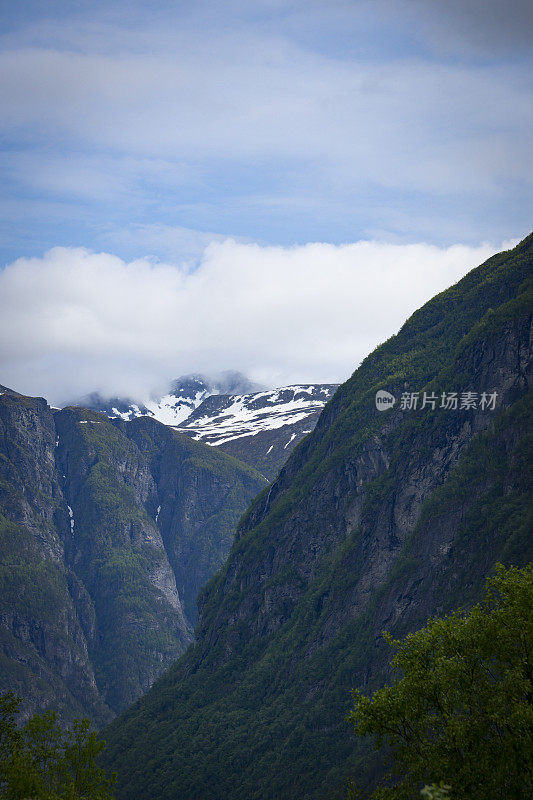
{"x": 107, "y": 533}
{"x": 379, "y": 520}
{"x": 260, "y": 427}
{"x": 202, "y": 494}
{"x": 47, "y": 618}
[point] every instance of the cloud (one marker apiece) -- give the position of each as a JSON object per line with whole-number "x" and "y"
{"x": 495, "y": 26}
{"x": 75, "y": 321}
{"x": 268, "y": 120}
{"x": 386, "y": 124}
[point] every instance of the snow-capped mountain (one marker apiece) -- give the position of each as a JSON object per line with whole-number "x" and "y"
{"x": 172, "y": 408}
{"x": 259, "y": 426}
{"x": 224, "y": 418}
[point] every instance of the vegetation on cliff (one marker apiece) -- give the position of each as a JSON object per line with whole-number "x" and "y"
{"x": 42, "y": 761}
{"x": 461, "y": 709}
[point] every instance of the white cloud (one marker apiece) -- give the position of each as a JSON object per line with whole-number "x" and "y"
{"x": 410, "y": 123}
{"x": 218, "y": 116}
{"x": 74, "y": 321}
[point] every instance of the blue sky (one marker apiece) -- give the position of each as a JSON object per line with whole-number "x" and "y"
{"x": 277, "y": 122}
{"x": 160, "y": 131}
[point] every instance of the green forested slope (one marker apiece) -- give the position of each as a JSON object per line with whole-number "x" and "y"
{"x": 378, "y": 520}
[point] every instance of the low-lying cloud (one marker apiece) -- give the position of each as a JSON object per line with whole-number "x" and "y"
{"x": 75, "y": 321}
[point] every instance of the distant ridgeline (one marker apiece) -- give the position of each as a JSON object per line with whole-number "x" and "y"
{"x": 379, "y": 520}
{"x": 259, "y": 426}
{"x": 108, "y": 531}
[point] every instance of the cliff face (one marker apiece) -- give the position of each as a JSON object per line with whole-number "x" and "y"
{"x": 201, "y": 495}
{"x": 117, "y": 553}
{"x": 44, "y": 611}
{"x": 378, "y": 521}
{"x": 90, "y": 610}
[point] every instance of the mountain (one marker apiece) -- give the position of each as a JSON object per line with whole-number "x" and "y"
{"x": 108, "y": 530}
{"x": 260, "y": 427}
{"x": 379, "y": 520}
{"x": 183, "y": 396}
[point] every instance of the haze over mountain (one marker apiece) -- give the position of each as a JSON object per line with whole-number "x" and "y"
{"x": 182, "y": 397}
{"x": 281, "y": 315}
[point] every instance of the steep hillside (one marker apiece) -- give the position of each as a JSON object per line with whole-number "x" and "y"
{"x": 379, "y": 520}
{"x": 46, "y": 616}
{"x": 108, "y": 531}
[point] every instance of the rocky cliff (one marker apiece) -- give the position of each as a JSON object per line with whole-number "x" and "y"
{"x": 108, "y": 531}
{"x": 379, "y": 520}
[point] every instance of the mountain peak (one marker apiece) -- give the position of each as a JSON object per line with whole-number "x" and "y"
{"x": 228, "y": 382}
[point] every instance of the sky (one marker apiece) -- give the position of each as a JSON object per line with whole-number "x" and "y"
{"x": 266, "y": 186}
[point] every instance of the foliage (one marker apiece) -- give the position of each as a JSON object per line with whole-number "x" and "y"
{"x": 43, "y": 762}
{"x": 434, "y": 792}
{"x": 463, "y": 706}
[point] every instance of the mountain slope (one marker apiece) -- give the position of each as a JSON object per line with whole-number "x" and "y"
{"x": 90, "y": 609}
{"x": 261, "y": 428}
{"x": 46, "y": 617}
{"x": 202, "y": 494}
{"x": 116, "y": 550}
{"x": 377, "y": 521}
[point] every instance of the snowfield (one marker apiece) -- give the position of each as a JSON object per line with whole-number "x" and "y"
{"x": 248, "y": 415}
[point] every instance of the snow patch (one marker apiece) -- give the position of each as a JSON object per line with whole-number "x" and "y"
{"x": 125, "y": 415}
{"x": 250, "y": 414}
{"x": 158, "y": 512}
{"x": 71, "y": 515}
{"x": 174, "y": 409}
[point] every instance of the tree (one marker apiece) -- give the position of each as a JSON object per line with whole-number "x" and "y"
{"x": 43, "y": 762}
{"x": 461, "y": 709}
